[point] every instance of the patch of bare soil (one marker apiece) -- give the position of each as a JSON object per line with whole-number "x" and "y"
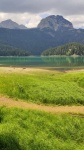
{"x": 37, "y": 70}
{"x": 22, "y": 70}
{"x": 51, "y": 109}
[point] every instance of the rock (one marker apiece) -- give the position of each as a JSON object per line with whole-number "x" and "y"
{"x": 55, "y": 22}
{"x": 11, "y": 25}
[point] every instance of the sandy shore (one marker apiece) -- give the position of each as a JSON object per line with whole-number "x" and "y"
{"x": 28, "y": 70}
{"x": 21, "y": 70}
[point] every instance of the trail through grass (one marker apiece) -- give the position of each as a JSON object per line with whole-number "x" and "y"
{"x": 4, "y": 101}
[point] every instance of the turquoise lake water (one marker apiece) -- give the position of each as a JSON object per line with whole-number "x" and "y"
{"x": 44, "y": 61}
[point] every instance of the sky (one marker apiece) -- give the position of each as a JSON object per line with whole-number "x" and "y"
{"x": 30, "y": 12}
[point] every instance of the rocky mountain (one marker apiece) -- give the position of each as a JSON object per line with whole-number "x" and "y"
{"x": 11, "y": 25}
{"x": 56, "y": 32}
{"x": 55, "y": 22}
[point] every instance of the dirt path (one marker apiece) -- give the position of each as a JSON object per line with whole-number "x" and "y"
{"x": 52, "y": 109}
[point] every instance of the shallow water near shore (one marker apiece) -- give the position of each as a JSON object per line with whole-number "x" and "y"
{"x": 43, "y": 61}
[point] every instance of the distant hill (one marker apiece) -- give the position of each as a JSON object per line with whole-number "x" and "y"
{"x": 67, "y": 49}
{"x": 9, "y": 24}
{"x": 51, "y": 32}
{"x": 7, "y": 50}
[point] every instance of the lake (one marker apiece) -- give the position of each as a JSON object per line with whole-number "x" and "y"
{"x": 43, "y": 61}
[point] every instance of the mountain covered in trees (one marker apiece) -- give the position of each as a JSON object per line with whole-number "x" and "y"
{"x": 51, "y": 32}
{"x": 71, "y": 49}
{"x": 7, "y": 50}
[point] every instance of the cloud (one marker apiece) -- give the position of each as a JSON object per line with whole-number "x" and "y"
{"x": 77, "y": 20}
{"x": 65, "y": 7}
{"x": 32, "y": 20}
{"x": 29, "y": 20}
{"x": 30, "y": 12}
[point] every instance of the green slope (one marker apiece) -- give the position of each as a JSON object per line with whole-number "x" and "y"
{"x": 67, "y": 49}
{"x": 7, "y": 50}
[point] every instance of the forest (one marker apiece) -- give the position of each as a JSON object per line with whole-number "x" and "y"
{"x": 69, "y": 49}
{"x": 7, "y": 50}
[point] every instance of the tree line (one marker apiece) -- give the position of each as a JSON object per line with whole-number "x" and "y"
{"x": 7, "y": 50}
{"x": 67, "y": 49}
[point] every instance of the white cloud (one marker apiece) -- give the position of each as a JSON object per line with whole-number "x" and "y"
{"x": 30, "y": 12}
{"x": 30, "y": 20}
{"x": 77, "y": 20}
{"x": 33, "y": 21}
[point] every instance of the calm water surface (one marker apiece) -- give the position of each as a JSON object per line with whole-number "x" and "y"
{"x": 44, "y": 61}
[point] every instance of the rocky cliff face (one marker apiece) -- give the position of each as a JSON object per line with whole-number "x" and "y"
{"x": 11, "y": 25}
{"x": 54, "y": 22}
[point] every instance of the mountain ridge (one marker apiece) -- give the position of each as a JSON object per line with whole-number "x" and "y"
{"x": 9, "y": 24}
{"x": 51, "y": 22}
{"x": 54, "y": 22}
{"x": 37, "y": 40}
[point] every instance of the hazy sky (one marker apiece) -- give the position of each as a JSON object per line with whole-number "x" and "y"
{"x": 30, "y": 12}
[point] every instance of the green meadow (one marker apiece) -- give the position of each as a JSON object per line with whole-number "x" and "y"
{"x": 35, "y": 130}
{"x": 54, "y": 88}
{"x": 24, "y": 129}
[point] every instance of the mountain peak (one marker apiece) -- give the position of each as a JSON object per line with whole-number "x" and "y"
{"x": 11, "y": 25}
{"x": 54, "y": 22}
{"x": 8, "y": 20}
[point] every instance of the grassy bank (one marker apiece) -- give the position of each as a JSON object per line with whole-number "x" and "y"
{"x": 44, "y": 87}
{"x": 34, "y": 130}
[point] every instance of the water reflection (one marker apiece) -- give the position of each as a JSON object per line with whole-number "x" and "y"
{"x": 44, "y": 61}
{"x": 64, "y": 61}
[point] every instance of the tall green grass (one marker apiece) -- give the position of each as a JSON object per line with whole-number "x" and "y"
{"x": 34, "y": 130}
{"x": 46, "y": 88}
